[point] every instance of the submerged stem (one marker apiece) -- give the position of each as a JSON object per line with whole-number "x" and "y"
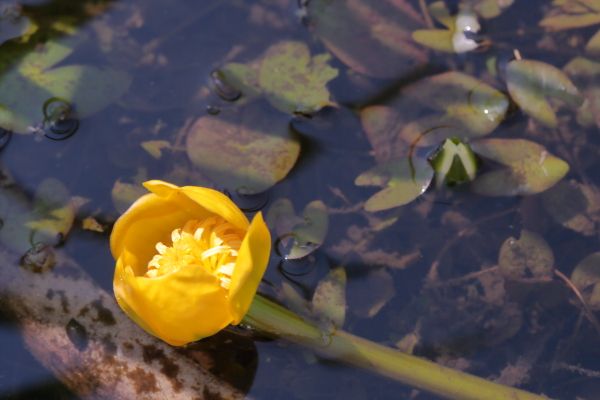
{"x": 272, "y": 319}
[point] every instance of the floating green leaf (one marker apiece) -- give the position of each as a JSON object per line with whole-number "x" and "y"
{"x": 287, "y": 75}
{"x": 329, "y": 299}
{"x": 529, "y": 256}
{"x": 404, "y": 180}
{"x": 53, "y": 212}
{"x": 569, "y": 14}
{"x": 593, "y": 45}
{"x": 529, "y": 168}
{"x": 454, "y": 104}
{"x": 293, "y": 81}
{"x": 530, "y": 83}
{"x": 452, "y": 39}
{"x": 370, "y": 36}
{"x": 586, "y": 277}
{"x": 488, "y": 8}
{"x": 246, "y": 150}
{"x": 574, "y": 205}
{"x": 298, "y": 236}
{"x": 26, "y": 86}
{"x": 586, "y": 73}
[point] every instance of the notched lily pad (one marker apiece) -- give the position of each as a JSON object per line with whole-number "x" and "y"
{"x": 246, "y": 150}
{"x": 26, "y": 86}
{"x": 369, "y": 36}
{"x": 570, "y": 14}
{"x": 528, "y": 167}
{"x": 329, "y": 298}
{"x": 403, "y": 180}
{"x": 530, "y": 84}
{"x": 287, "y": 75}
{"x": 586, "y": 277}
{"x": 53, "y": 212}
{"x": 528, "y": 256}
{"x": 297, "y": 236}
{"x": 453, "y": 104}
{"x": 574, "y": 205}
{"x": 453, "y": 39}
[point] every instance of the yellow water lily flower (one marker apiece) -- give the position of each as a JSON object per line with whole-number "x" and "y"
{"x": 188, "y": 262}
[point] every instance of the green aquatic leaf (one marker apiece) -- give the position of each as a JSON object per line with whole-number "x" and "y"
{"x": 586, "y": 73}
{"x": 287, "y": 75}
{"x": 404, "y": 180}
{"x": 531, "y": 82}
{"x": 53, "y": 212}
{"x": 452, "y": 104}
{"x": 586, "y": 277}
{"x": 246, "y": 150}
{"x": 452, "y": 39}
{"x": 570, "y": 14}
{"x": 369, "y": 36}
{"x": 528, "y": 256}
{"x": 26, "y": 86}
{"x": 13, "y": 23}
{"x": 528, "y": 167}
{"x": 293, "y": 81}
{"x": 329, "y": 298}
{"x": 593, "y": 45}
{"x": 488, "y": 8}
{"x": 574, "y": 205}
{"x": 298, "y": 236}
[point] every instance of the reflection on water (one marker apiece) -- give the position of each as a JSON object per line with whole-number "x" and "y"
{"x": 102, "y": 95}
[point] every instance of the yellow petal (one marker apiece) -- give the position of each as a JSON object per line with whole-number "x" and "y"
{"x": 209, "y": 199}
{"x": 179, "y": 308}
{"x": 250, "y": 267}
{"x": 148, "y": 221}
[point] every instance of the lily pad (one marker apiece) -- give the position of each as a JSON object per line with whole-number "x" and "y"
{"x": 293, "y": 81}
{"x": 53, "y": 212}
{"x": 329, "y": 299}
{"x": 586, "y": 277}
{"x": 570, "y": 14}
{"x": 298, "y": 236}
{"x": 371, "y": 37}
{"x": 287, "y": 75}
{"x": 593, "y": 45}
{"x": 488, "y": 8}
{"x": 404, "y": 180}
{"x": 453, "y": 105}
{"x": 528, "y": 256}
{"x": 530, "y": 83}
{"x": 574, "y": 205}
{"x": 453, "y": 39}
{"x": 528, "y": 167}
{"x": 28, "y": 85}
{"x": 586, "y": 73}
{"x": 245, "y": 150}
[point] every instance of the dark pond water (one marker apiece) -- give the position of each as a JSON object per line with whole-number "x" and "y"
{"x": 339, "y": 105}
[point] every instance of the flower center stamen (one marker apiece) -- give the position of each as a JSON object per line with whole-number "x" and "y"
{"x": 212, "y": 244}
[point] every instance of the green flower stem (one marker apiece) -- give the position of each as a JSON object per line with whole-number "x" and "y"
{"x": 272, "y": 319}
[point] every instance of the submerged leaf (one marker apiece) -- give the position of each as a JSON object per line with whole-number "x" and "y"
{"x": 574, "y": 205}
{"x": 27, "y": 86}
{"x": 298, "y": 236}
{"x": 586, "y": 277}
{"x": 529, "y": 256}
{"x": 530, "y": 83}
{"x": 246, "y": 151}
{"x": 287, "y": 75}
{"x": 488, "y": 8}
{"x": 329, "y": 299}
{"x": 404, "y": 180}
{"x": 369, "y": 36}
{"x": 529, "y": 168}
